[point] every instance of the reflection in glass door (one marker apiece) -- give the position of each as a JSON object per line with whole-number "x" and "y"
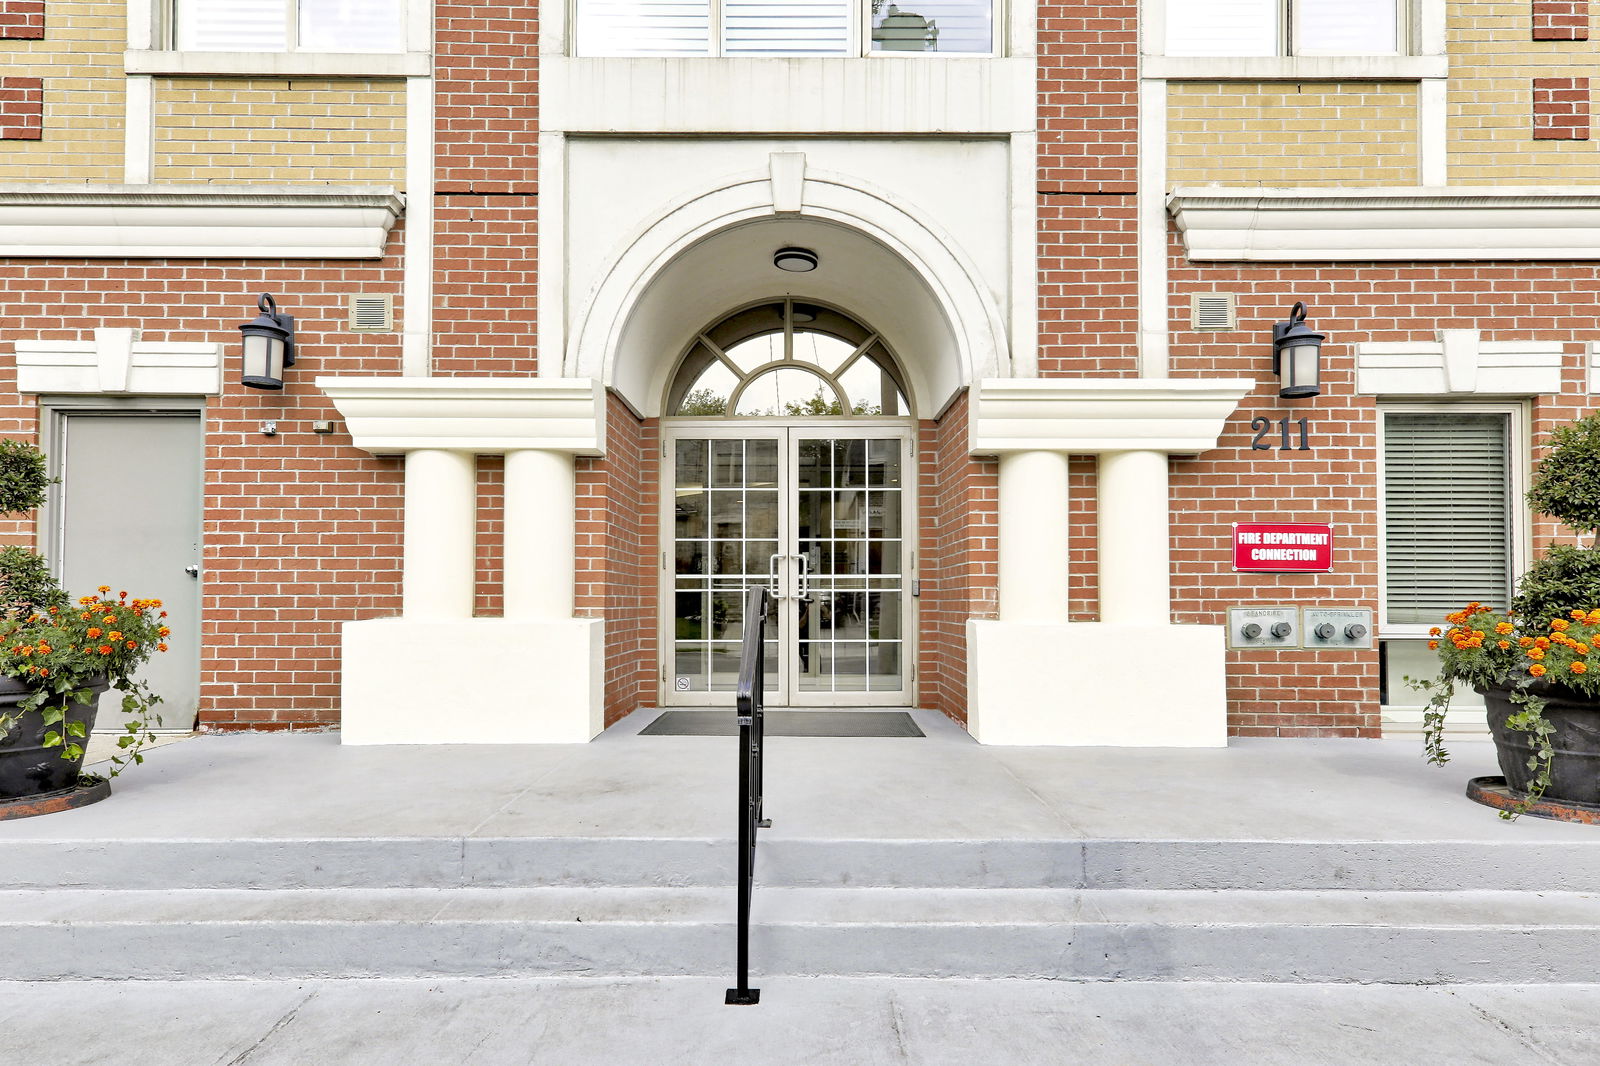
{"x": 814, "y": 513}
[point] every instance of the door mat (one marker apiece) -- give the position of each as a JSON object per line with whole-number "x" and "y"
{"x": 725, "y": 723}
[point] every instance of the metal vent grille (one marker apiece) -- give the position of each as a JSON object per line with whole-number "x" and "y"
{"x": 371, "y": 313}
{"x": 1212, "y": 310}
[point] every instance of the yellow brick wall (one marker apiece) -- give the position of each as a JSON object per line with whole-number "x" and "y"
{"x": 1288, "y": 133}
{"x": 311, "y": 131}
{"x": 80, "y": 60}
{"x": 1492, "y": 66}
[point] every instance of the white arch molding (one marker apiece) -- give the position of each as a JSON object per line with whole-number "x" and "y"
{"x": 902, "y": 274}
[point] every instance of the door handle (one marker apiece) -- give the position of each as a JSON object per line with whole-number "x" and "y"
{"x": 803, "y": 576}
{"x": 192, "y": 570}
{"x": 772, "y": 575}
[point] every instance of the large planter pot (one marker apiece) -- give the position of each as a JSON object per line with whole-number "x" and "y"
{"x": 27, "y": 767}
{"x": 1575, "y": 769}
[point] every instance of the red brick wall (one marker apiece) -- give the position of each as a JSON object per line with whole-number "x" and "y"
{"x": 1561, "y": 109}
{"x": 618, "y": 566}
{"x": 1561, "y": 20}
{"x": 488, "y": 600}
{"x": 957, "y": 556}
{"x": 21, "y": 109}
{"x": 1322, "y": 693}
{"x": 21, "y": 20}
{"x": 1088, "y": 159}
{"x": 301, "y": 530}
{"x": 484, "y": 285}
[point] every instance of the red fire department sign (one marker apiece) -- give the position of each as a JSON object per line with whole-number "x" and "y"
{"x": 1281, "y": 548}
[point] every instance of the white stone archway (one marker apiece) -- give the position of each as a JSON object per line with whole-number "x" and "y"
{"x": 697, "y": 259}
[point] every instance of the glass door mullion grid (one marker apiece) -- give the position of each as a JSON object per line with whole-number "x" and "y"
{"x": 851, "y": 498}
{"x": 724, "y": 509}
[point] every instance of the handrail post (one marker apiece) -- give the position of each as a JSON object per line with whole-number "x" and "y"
{"x": 752, "y": 738}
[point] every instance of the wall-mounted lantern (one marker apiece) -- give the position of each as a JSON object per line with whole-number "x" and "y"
{"x": 268, "y": 346}
{"x": 1297, "y": 355}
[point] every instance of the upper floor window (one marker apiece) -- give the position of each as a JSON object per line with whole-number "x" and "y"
{"x": 1235, "y": 28}
{"x": 783, "y": 27}
{"x": 290, "y": 25}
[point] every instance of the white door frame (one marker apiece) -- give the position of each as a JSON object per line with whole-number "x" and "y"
{"x": 788, "y": 432}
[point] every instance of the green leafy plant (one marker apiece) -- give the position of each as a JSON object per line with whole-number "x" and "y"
{"x": 1567, "y": 484}
{"x": 24, "y": 477}
{"x": 64, "y": 653}
{"x": 26, "y": 584}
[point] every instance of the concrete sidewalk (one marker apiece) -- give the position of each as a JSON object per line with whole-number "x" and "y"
{"x": 800, "y": 1022}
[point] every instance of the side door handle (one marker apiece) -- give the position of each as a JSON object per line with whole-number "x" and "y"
{"x": 192, "y": 570}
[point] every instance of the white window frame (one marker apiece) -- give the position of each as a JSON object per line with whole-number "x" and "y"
{"x": 1519, "y": 464}
{"x": 152, "y": 49}
{"x": 860, "y": 37}
{"x": 1288, "y": 32}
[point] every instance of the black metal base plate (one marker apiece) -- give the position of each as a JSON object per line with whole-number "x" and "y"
{"x": 1494, "y": 792}
{"x": 82, "y": 794}
{"x": 737, "y": 998}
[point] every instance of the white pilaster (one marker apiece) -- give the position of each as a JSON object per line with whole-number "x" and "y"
{"x": 440, "y": 534}
{"x": 1033, "y": 536}
{"x": 1135, "y": 543}
{"x": 540, "y": 525}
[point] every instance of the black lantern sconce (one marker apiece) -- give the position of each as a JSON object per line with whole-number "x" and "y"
{"x": 1297, "y": 355}
{"x": 268, "y": 346}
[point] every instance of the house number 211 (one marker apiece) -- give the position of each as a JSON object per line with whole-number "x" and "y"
{"x": 1263, "y": 426}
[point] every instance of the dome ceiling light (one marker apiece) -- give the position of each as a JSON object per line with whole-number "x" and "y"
{"x": 795, "y": 260}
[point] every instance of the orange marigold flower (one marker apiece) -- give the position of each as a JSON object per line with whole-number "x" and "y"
{"x": 164, "y": 631}
{"x": 1559, "y": 623}
{"x": 1535, "y": 653}
{"x": 105, "y": 649}
{"x": 1536, "y": 670}
{"x": 132, "y": 644}
{"x": 1503, "y": 628}
{"x": 1578, "y": 668}
{"x": 161, "y": 647}
{"x": 1433, "y": 632}
{"x": 44, "y": 649}
{"x": 55, "y": 610}
{"x": 1581, "y": 649}
{"x": 44, "y": 671}
{"x": 1504, "y": 644}
{"x": 1577, "y": 612}
{"x": 163, "y": 614}
{"x": 114, "y": 635}
{"x": 122, "y": 595}
{"x": 1433, "y": 645}
{"x": 1541, "y": 642}
{"x": 95, "y": 631}
{"x": 104, "y": 589}
{"x": 1525, "y": 641}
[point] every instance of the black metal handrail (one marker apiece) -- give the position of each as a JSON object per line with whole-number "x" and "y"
{"x": 752, "y": 735}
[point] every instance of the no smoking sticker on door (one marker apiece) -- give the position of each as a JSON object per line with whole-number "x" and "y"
{"x": 681, "y": 684}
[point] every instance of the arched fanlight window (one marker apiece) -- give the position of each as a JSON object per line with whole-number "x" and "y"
{"x": 787, "y": 358}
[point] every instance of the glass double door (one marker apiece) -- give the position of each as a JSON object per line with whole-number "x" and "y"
{"x": 817, "y": 515}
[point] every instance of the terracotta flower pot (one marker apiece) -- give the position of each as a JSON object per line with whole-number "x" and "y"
{"x": 27, "y": 767}
{"x": 1575, "y": 769}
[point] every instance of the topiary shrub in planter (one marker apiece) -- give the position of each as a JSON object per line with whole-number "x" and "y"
{"x": 1538, "y": 664}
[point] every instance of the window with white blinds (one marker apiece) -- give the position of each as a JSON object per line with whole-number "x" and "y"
{"x": 290, "y": 25}
{"x": 1447, "y": 503}
{"x": 1277, "y": 27}
{"x": 783, "y": 27}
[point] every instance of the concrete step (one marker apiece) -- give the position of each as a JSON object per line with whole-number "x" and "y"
{"x": 465, "y": 862}
{"x": 1143, "y": 935}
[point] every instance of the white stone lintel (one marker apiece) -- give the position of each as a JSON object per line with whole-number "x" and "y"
{"x": 1459, "y": 363}
{"x": 117, "y": 363}
{"x": 197, "y": 221}
{"x": 1179, "y": 416}
{"x": 1085, "y": 694}
{"x": 530, "y": 682}
{"x": 484, "y": 416}
{"x": 1411, "y": 224}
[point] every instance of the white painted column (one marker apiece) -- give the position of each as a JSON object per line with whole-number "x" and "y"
{"x": 541, "y": 535}
{"x": 440, "y": 560}
{"x": 1135, "y": 541}
{"x": 1033, "y": 537}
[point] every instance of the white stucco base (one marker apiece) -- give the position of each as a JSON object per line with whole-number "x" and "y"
{"x": 1097, "y": 683}
{"x": 473, "y": 681}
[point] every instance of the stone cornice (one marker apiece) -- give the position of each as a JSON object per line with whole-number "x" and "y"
{"x": 1180, "y": 416}
{"x": 1459, "y": 223}
{"x": 196, "y": 221}
{"x": 485, "y": 416}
